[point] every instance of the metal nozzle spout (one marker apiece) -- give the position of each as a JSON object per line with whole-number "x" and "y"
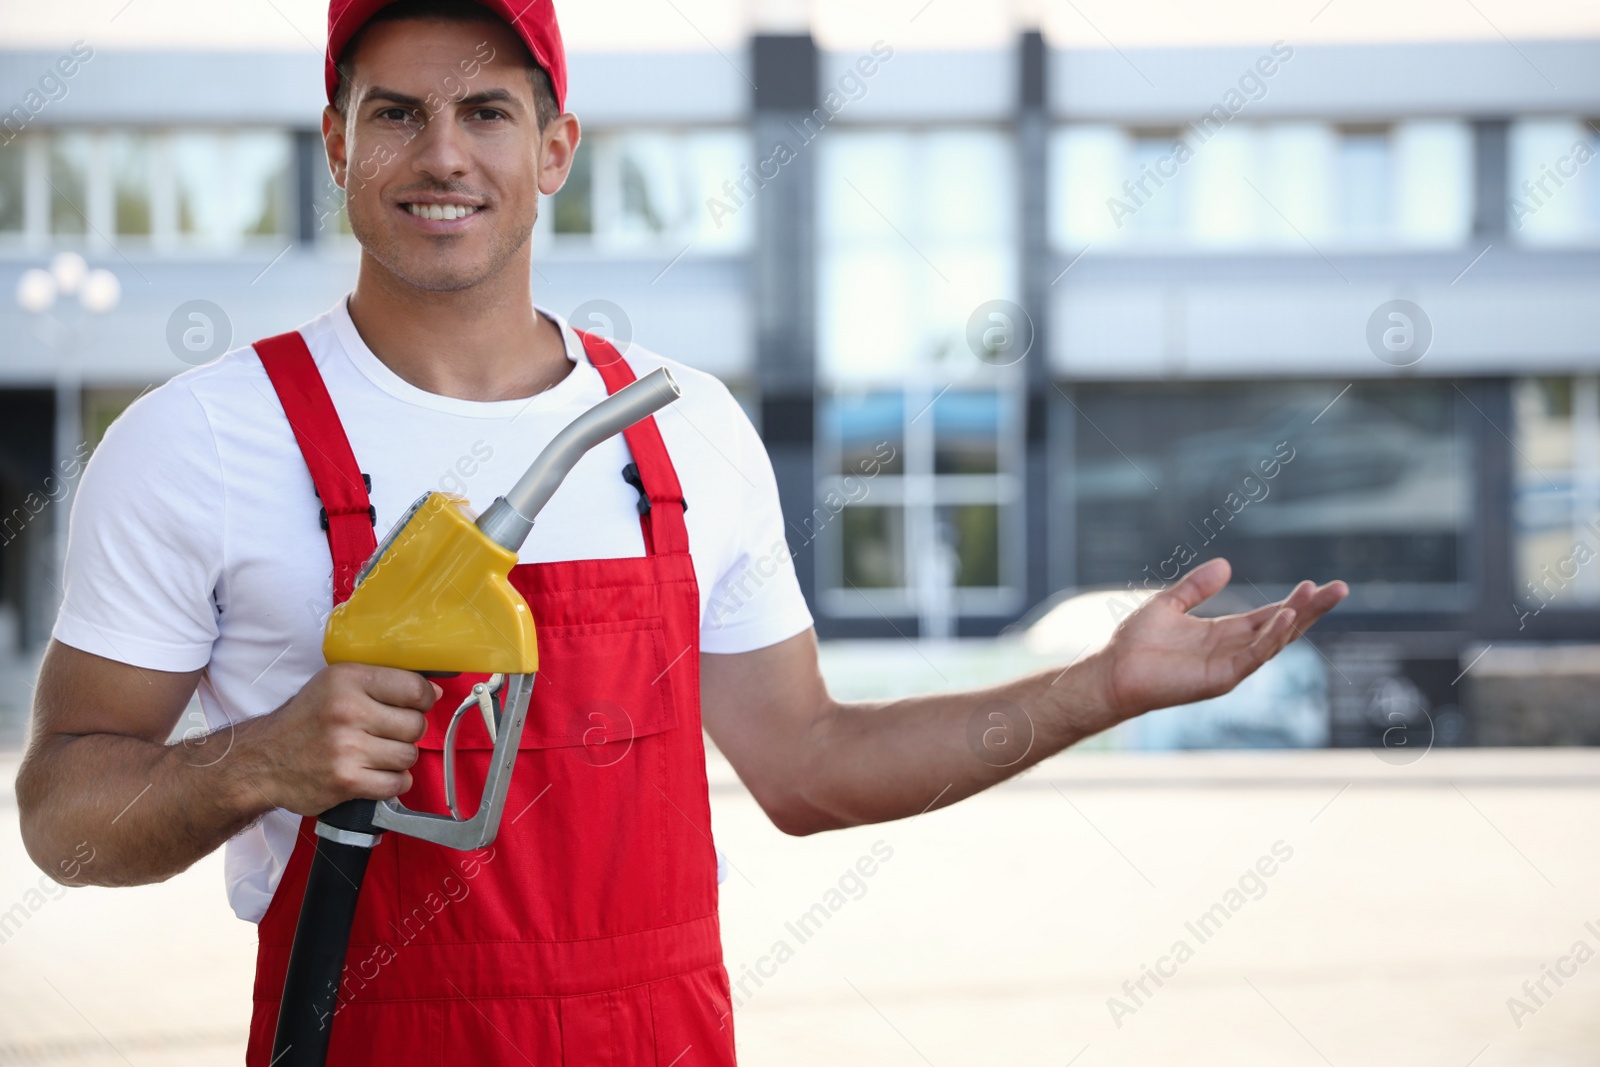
{"x": 509, "y": 520}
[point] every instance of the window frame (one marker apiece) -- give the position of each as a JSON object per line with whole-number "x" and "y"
{"x": 921, "y": 493}
{"x": 1581, "y": 592}
{"x": 100, "y": 235}
{"x": 919, "y": 490}
{"x": 607, "y": 237}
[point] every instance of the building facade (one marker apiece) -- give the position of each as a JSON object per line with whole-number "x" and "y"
{"x": 1011, "y": 322}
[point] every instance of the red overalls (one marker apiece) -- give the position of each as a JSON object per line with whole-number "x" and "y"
{"x": 587, "y": 932}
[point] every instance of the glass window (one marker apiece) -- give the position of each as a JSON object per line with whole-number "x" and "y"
{"x": 867, "y": 428}
{"x": 1433, "y": 182}
{"x": 1111, "y": 186}
{"x": 713, "y": 159}
{"x": 202, "y": 183}
{"x": 1556, "y": 489}
{"x": 1225, "y": 211}
{"x": 231, "y": 185}
{"x": 873, "y": 554}
{"x": 1297, "y": 176}
{"x": 1588, "y": 181}
{"x": 648, "y": 188}
{"x": 333, "y": 219}
{"x": 1087, "y": 164}
{"x": 1364, "y": 180}
{"x": 1263, "y": 185}
{"x": 1155, "y": 176}
{"x": 13, "y": 177}
{"x": 212, "y": 187}
{"x": 262, "y": 163}
{"x": 961, "y": 186}
{"x": 1554, "y": 181}
{"x": 966, "y": 433}
{"x": 70, "y": 154}
{"x": 913, "y": 238}
{"x": 1373, "y": 489}
{"x": 868, "y": 308}
{"x": 572, "y": 208}
{"x": 651, "y": 185}
{"x": 923, "y": 510}
{"x": 130, "y": 175}
{"x": 972, "y": 532}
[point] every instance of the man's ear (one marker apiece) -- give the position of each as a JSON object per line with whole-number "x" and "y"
{"x": 558, "y": 145}
{"x": 333, "y": 141}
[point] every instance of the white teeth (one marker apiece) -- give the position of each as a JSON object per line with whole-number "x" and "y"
{"x": 441, "y": 212}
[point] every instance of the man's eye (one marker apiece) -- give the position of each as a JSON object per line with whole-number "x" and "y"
{"x": 488, "y": 113}
{"x": 395, "y": 114}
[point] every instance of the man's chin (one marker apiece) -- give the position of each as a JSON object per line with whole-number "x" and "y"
{"x": 438, "y": 266}
{"x": 431, "y": 271}
{"x": 431, "y": 278}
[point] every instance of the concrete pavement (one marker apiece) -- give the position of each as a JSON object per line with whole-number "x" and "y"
{"x": 1106, "y": 908}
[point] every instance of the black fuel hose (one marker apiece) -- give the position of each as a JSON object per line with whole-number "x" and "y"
{"x": 322, "y": 937}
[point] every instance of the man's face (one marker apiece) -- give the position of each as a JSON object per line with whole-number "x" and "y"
{"x": 440, "y": 122}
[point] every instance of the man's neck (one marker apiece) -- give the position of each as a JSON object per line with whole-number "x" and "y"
{"x": 483, "y": 343}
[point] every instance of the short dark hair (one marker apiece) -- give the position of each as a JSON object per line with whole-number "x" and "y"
{"x": 544, "y": 95}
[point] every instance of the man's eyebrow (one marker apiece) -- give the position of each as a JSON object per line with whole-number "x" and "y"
{"x": 394, "y": 96}
{"x": 482, "y": 96}
{"x": 488, "y": 96}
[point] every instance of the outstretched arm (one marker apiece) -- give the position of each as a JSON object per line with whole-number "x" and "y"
{"x": 814, "y": 763}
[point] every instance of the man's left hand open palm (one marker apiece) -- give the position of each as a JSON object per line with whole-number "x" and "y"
{"x": 1161, "y": 655}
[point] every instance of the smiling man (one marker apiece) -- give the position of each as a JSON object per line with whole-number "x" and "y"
{"x": 226, "y": 512}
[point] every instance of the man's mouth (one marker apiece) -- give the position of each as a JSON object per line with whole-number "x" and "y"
{"x": 441, "y": 212}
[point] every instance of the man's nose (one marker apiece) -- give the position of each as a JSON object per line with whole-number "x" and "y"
{"x": 440, "y": 149}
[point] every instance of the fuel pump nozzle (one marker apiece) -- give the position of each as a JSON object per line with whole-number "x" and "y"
{"x": 435, "y": 597}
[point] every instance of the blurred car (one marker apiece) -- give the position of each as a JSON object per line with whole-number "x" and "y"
{"x": 1282, "y": 705}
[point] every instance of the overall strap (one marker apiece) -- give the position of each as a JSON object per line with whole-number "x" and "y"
{"x": 661, "y": 504}
{"x": 348, "y": 514}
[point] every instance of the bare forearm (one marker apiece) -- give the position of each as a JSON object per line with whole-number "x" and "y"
{"x": 102, "y": 801}
{"x": 872, "y": 762}
{"x": 104, "y": 809}
{"x": 813, "y": 763}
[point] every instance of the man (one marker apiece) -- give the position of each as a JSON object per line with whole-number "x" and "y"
{"x": 199, "y": 555}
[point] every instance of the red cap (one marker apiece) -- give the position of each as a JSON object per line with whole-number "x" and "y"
{"x": 534, "y": 21}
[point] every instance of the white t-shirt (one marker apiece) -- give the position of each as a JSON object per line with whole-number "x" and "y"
{"x": 194, "y": 539}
